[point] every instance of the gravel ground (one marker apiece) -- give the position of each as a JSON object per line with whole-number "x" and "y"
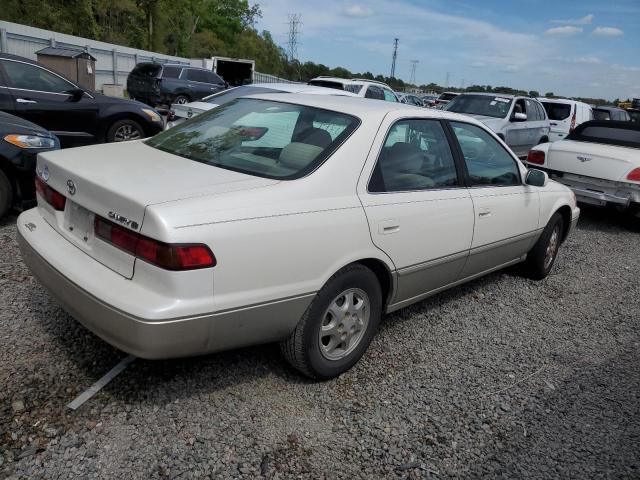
{"x": 500, "y": 378}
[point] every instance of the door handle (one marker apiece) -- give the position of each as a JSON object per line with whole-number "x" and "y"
{"x": 484, "y": 212}
{"x": 25, "y": 100}
{"x": 553, "y": 124}
{"x": 388, "y": 226}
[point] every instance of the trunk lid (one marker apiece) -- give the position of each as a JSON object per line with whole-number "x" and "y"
{"x": 192, "y": 109}
{"x": 596, "y": 160}
{"x": 117, "y": 182}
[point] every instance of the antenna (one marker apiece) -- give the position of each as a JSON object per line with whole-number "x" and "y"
{"x": 414, "y": 64}
{"x": 292, "y": 44}
{"x": 395, "y": 54}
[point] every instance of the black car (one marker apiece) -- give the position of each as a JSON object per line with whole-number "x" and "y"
{"x": 164, "y": 84}
{"x": 610, "y": 113}
{"x": 77, "y": 116}
{"x": 20, "y": 143}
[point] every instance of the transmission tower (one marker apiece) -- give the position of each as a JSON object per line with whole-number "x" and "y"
{"x": 395, "y": 54}
{"x": 414, "y": 64}
{"x": 292, "y": 45}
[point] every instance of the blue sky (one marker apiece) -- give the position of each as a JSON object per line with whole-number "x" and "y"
{"x": 572, "y": 48}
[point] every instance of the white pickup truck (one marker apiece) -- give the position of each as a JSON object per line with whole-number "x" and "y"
{"x": 599, "y": 161}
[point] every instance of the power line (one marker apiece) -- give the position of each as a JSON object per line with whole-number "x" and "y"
{"x": 414, "y": 64}
{"x": 395, "y": 54}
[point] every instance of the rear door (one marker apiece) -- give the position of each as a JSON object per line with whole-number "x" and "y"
{"x": 41, "y": 96}
{"x": 506, "y": 210}
{"x": 419, "y": 212}
{"x": 560, "y": 115}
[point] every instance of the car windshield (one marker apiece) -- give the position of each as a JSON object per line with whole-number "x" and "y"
{"x": 226, "y": 96}
{"x": 486, "y": 105}
{"x": 259, "y": 137}
{"x": 557, "y": 111}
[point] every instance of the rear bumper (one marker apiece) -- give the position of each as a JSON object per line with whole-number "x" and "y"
{"x": 151, "y": 339}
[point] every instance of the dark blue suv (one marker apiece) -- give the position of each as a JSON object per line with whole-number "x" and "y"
{"x": 164, "y": 84}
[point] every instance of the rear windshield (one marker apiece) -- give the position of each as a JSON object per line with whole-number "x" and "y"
{"x": 624, "y": 134}
{"x": 147, "y": 70}
{"x": 226, "y": 96}
{"x": 259, "y": 137}
{"x": 486, "y": 105}
{"x": 328, "y": 84}
{"x": 557, "y": 111}
{"x": 448, "y": 96}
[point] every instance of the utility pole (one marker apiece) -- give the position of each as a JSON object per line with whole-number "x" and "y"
{"x": 292, "y": 44}
{"x": 446, "y": 84}
{"x": 395, "y": 54}
{"x": 414, "y": 64}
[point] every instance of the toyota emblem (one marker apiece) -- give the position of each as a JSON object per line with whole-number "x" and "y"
{"x": 71, "y": 187}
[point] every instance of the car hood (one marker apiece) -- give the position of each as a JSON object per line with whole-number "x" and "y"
{"x": 12, "y": 124}
{"x": 492, "y": 122}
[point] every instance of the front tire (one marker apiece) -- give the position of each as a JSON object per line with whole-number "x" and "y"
{"x": 125, "y": 130}
{"x": 543, "y": 255}
{"x": 338, "y": 325}
{"x": 6, "y": 194}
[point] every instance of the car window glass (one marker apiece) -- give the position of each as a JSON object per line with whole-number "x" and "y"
{"x": 488, "y": 163}
{"x": 258, "y": 137}
{"x": 374, "y": 92}
{"x": 389, "y": 96}
{"x": 170, "y": 72}
{"x": 30, "y": 77}
{"x": 601, "y": 115}
{"x": 331, "y": 124}
{"x": 557, "y": 111}
{"x": 210, "y": 77}
{"x": 519, "y": 107}
{"x": 415, "y": 156}
{"x": 532, "y": 115}
{"x": 541, "y": 115}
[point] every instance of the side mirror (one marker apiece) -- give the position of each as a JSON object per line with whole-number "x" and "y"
{"x": 76, "y": 94}
{"x": 519, "y": 117}
{"x": 536, "y": 178}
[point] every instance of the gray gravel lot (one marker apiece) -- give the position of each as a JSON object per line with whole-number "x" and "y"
{"x": 500, "y": 378}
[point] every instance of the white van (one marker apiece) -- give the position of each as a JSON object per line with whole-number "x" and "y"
{"x": 565, "y": 115}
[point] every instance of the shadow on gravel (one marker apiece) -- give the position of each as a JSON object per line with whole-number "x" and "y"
{"x": 588, "y": 426}
{"x": 606, "y": 219}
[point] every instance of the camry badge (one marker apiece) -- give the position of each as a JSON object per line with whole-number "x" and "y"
{"x": 71, "y": 187}
{"x": 584, "y": 159}
{"x": 116, "y": 217}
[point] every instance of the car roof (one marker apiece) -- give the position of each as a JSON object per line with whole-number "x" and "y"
{"x": 487, "y": 94}
{"x": 302, "y": 88}
{"x": 8, "y": 56}
{"x": 608, "y": 107}
{"x": 361, "y": 107}
{"x": 357, "y": 81}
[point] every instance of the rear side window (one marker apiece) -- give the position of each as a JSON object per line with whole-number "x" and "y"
{"x": 601, "y": 114}
{"x": 415, "y": 156}
{"x": 541, "y": 112}
{"x": 353, "y": 87}
{"x": 487, "y": 162}
{"x": 171, "y": 72}
{"x": 557, "y": 111}
{"x": 195, "y": 75}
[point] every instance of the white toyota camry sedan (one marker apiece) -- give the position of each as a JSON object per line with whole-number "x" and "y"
{"x": 299, "y": 219}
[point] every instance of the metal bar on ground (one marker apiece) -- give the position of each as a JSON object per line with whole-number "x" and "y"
{"x": 96, "y": 387}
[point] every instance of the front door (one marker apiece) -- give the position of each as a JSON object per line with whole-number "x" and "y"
{"x": 43, "y": 98}
{"x": 506, "y": 210}
{"x": 418, "y": 210}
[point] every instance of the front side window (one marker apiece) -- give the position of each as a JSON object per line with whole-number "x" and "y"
{"x": 485, "y": 105}
{"x": 415, "y": 156}
{"x": 389, "y": 96}
{"x": 374, "y": 92}
{"x": 487, "y": 162}
{"x": 30, "y": 77}
{"x": 259, "y": 137}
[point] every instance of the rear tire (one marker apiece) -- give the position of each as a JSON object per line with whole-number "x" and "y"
{"x": 181, "y": 99}
{"x": 6, "y": 194}
{"x": 338, "y": 325}
{"x": 543, "y": 255}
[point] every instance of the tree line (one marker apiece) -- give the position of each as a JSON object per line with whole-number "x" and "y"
{"x": 195, "y": 29}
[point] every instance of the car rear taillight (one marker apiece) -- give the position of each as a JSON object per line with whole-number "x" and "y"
{"x": 573, "y": 122}
{"x": 634, "y": 175}
{"x": 536, "y": 156}
{"x": 53, "y": 198}
{"x": 163, "y": 255}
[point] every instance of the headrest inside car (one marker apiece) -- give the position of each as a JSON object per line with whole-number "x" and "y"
{"x": 298, "y": 155}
